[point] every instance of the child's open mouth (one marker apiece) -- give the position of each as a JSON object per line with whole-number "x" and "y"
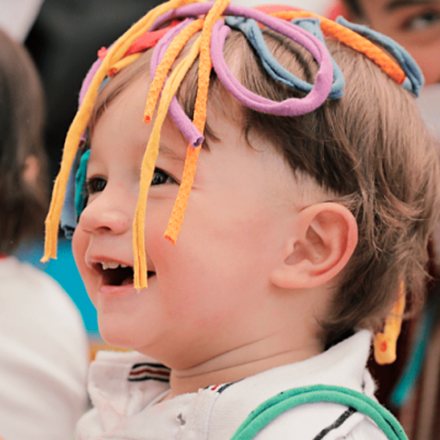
{"x": 115, "y": 274}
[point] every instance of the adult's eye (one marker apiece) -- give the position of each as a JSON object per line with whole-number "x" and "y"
{"x": 423, "y": 21}
{"x": 95, "y": 185}
{"x": 160, "y": 177}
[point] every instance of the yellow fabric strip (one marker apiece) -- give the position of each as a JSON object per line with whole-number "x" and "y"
{"x": 165, "y": 65}
{"x": 205, "y": 65}
{"x": 176, "y": 220}
{"x": 81, "y": 120}
{"x": 385, "y": 343}
{"x": 353, "y": 40}
{"x": 122, "y": 64}
{"x": 149, "y": 163}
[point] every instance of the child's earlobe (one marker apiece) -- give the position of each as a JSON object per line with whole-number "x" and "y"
{"x": 325, "y": 239}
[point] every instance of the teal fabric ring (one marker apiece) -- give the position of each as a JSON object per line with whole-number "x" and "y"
{"x": 275, "y": 406}
{"x": 80, "y": 184}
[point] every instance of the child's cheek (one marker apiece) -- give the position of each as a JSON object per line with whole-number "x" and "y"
{"x": 156, "y": 221}
{"x": 79, "y": 248}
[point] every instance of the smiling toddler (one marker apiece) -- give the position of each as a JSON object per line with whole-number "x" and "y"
{"x": 296, "y": 188}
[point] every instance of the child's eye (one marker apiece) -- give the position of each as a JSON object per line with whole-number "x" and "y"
{"x": 160, "y": 177}
{"x": 95, "y": 184}
{"x": 423, "y": 21}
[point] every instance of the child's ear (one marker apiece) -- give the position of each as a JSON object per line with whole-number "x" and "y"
{"x": 325, "y": 238}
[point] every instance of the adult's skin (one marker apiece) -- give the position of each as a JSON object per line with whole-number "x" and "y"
{"x": 415, "y": 24}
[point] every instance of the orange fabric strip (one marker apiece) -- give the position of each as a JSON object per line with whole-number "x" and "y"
{"x": 385, "y": 343}
{"x": 149, "y": 163}
{"x": 353, "y": 40}
{"x": 200, "y": 109}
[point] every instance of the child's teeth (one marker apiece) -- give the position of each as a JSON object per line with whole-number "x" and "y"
{"x": 110, "y": 265}
{"x": 123, "y": 266}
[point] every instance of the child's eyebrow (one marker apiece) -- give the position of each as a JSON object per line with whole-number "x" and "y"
{"x": 396, "y": 4}
{"x": 172, "y": 154}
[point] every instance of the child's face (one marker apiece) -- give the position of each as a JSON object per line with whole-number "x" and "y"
{"x": 414, "y": 24}
{"x": 210, "y": 292}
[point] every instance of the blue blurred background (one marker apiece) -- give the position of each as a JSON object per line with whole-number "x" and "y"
{"x": 64, "y": 271}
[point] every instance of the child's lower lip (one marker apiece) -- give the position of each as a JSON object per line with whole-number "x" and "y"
{"x": 126, "y": 288}
{"x": 116, "y": 290}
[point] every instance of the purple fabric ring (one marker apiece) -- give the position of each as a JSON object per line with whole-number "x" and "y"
{"x": 88, "y": 79}
{"x": 293, "y": 106}
{"x": 162, "y": 19}
{"x": 288, "y": 107}
{"x": 86, "y": 84}
{"x": 183, "y": 122}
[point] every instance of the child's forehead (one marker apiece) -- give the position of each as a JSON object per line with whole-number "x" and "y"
{"x": 121, "y": 118}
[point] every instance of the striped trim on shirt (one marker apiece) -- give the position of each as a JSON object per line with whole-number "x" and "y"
{"x": 219, "y": 388}
{"x": 344, "y": 416}
{"x": 149, "y": 371}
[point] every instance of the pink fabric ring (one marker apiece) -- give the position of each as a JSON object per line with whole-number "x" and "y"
{"x": 288, "y": 107}
{"x": 292, "y": 106}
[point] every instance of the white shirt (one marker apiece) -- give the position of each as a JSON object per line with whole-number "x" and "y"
{"x": 43, "y": 356}
{"x": 127, "y": 409}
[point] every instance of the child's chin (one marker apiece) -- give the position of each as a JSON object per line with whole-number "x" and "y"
{"x": 114, "y": 335}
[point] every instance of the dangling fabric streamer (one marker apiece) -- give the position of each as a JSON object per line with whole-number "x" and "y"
{"x": 385, "y": 343}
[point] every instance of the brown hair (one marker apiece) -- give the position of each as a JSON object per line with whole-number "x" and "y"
{"x": 22, "y": 207}
{"x": 370, "y": 149}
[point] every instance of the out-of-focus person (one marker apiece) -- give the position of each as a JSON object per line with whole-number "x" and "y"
{"x": 414, "y": 24}
{"x": 413, "y": 388}
{"x": 43, "y": 344}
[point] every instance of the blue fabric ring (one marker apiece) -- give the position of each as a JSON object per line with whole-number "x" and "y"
{"x": 288, "y": 107}
{"x": 405, "y": 60}
{"x": 252, "y": 31}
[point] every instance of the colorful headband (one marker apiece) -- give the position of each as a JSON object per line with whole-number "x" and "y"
{"x": 214, "y": 22}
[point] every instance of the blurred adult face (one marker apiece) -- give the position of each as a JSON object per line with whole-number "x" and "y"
{"x": 415, "y": 24}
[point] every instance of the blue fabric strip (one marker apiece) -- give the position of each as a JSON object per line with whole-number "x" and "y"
{"x": 252, "y": 31}
{"x": 406, "y": 61}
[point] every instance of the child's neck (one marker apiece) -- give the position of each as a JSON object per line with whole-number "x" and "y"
{"x": 243, "y": 362}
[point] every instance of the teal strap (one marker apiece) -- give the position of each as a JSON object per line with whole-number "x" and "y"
{"x": 275, "y": 406}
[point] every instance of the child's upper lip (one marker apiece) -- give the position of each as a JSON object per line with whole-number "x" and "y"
{"x": 106, "y": 262}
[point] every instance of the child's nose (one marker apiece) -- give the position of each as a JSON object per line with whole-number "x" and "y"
{"x": 105, "y": 216}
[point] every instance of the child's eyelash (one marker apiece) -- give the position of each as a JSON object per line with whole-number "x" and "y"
{"x": 95, "y": 184}
{"x": 161, "y": 177}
